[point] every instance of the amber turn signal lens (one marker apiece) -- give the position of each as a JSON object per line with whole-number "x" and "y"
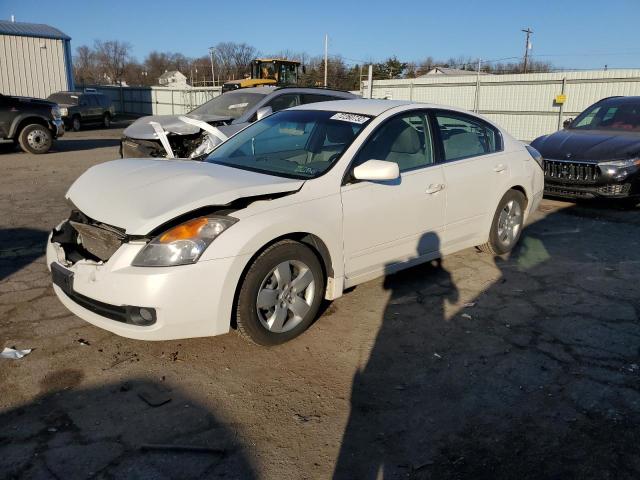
{"x": 184, "y": 231}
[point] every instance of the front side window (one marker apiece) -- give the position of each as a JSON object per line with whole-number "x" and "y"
{"x": 464, "y": 137}
{"x": 314, "y": 98}
{"x": 287, "y": 100}
{"x": 300, "y": 144}
{"x": 405, "y": 140}
{"x": 618, "y": 116}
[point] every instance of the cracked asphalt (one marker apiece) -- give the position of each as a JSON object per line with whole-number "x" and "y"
{"x": 473, "y": 367}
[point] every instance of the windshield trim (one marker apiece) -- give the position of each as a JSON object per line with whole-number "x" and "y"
{"x": 263, "y": 172}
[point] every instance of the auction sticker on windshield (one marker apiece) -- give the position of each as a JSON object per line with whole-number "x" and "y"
{"x": 350, "y": 117}
{"x": 238, "y": 105}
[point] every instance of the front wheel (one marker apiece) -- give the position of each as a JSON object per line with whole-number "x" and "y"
{"x": 106, "y": 120}
{"x": 507, "y": 224}
{"x": 35, "y": 138}
{"x": 76, "y": 124}
{"x": 280, "y": 294}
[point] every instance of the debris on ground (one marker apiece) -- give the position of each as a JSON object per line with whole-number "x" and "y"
{"x": 14, "y": 354}
{"x": 82, "y": 341}
{"x": 181, "y": 448}
{"x": 467, "y": 316}
{"x": 437, "y": 355}
{"x": 154, "y": 396}
{"x": 469, "y": 304}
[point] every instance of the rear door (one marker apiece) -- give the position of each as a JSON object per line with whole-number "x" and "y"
{"x": 391, "y": 223}
{"x": 476, "y": 172}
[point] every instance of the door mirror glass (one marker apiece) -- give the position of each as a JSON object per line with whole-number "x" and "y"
{"x": 373, "y": 170}
{"x": 263, "y": 112}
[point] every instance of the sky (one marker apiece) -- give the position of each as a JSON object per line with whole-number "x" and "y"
{"x": 586, "y": 34}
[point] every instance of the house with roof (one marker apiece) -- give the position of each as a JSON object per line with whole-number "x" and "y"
{"x": 173, "y": 79}
{"x": 36, "y": 60}
{"x": 451, "y": 72}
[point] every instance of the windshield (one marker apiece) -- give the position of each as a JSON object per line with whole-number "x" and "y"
{"x": 293, "y": 143}
{"x": 231, "y": 104}
{"x": 64, "y": 98}
{"x": 610, "y": 116}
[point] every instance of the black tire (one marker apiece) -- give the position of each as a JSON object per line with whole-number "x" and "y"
{"x": 76, "y": 123}
{"x": 35, "y": 138}
{"x": 496, "y": 245}
{"x": 106, "y": 120}
{"x": 250, "y": 318}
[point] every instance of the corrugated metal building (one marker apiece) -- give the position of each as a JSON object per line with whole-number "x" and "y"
{"x": 35, "y": 59}
{"x": 524, "y": 104}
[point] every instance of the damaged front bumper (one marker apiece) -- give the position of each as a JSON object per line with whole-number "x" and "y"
{"x": 146, "y": 303}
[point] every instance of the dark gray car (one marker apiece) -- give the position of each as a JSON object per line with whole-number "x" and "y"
{"x": 228, "y": 113}
{"x": 82, "y": 108}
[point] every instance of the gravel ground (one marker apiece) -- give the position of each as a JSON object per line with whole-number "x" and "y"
{"x": 473, "y": 367}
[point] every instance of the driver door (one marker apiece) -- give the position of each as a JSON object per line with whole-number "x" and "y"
{"x": 389, "y": 224}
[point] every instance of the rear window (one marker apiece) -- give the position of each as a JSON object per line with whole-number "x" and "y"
{"x": 63, "y": 98}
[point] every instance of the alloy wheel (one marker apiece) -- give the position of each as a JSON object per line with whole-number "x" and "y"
{"x": 510, "y": 223}
{"x": 38, "y": 139}
{"x": 285, "y": 296}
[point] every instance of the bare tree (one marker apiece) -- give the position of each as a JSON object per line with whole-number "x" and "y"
{"x": 84, "y": 66}
{"x": 112, "y": 57}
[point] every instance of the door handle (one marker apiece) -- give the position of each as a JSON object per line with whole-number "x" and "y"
{"x": 501, "y": 167}
{"x": 434, "y": 188}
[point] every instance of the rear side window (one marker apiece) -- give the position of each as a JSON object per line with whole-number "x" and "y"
{"x": 464, "y": 137}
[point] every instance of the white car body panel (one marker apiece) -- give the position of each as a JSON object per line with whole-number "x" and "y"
{"x": 366, "y": 229}
{"x": 139, "y": 195}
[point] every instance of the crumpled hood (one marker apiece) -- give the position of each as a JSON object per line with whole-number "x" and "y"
{"x": 595, "y": 145}
{"x": 140, "y": 195}
{"x": 141, "y": 128}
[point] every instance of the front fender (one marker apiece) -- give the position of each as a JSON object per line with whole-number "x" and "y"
{"x": 26, "y": 116}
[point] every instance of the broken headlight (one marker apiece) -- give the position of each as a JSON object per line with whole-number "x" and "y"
{"x": 184, "y": 243}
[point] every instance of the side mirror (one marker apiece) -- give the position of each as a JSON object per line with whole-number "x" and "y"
{"x": 373, "y": 170}
{"x": 263, "y": 112}
{"x": 567, "y": 123}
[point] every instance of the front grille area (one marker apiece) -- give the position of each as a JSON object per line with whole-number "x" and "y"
{"x": 563, "y": 191}
{"x": 581, "y": 172}
{"x": 619, "y": 189}
{"x": 83, "y": 238}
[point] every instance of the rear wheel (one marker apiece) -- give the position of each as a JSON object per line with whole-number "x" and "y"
{"x": 35, "y": 138}
{"x": 280, "y": 294}
{"x": 507, "y": 224}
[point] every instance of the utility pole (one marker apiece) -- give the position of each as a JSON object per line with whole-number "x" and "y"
{"x": 213, "y": 76}
{"x": 370, "y": 82}
{"x": 527, "y": 46}
{"x": 476, "y": 103}
{"x": 326, "y": 57}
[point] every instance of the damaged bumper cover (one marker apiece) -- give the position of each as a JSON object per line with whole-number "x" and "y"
{"x": 145, "y": 303}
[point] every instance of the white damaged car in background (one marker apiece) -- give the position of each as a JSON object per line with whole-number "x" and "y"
{"x": 195, "y": 134}
{"x": 290, "y": 211}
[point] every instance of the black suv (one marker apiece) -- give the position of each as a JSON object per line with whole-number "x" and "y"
{"x": 80, "y": 108}
{"x": 597, "y": 155}
{"x": 31, "y": 122}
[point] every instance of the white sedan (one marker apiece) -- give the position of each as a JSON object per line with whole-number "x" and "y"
{"x": 293, "y": 209}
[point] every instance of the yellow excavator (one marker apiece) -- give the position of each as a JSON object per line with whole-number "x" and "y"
{"x": 267, "y": 71}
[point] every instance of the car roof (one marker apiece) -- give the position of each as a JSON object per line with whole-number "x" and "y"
{"x": 358, "y": 106}
{"x": 620, "y": 100}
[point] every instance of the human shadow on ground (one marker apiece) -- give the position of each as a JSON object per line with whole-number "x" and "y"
{"x": 111, "y": 432}
{"x": 536, "y": 377}
{"x": 19, "y": 247}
